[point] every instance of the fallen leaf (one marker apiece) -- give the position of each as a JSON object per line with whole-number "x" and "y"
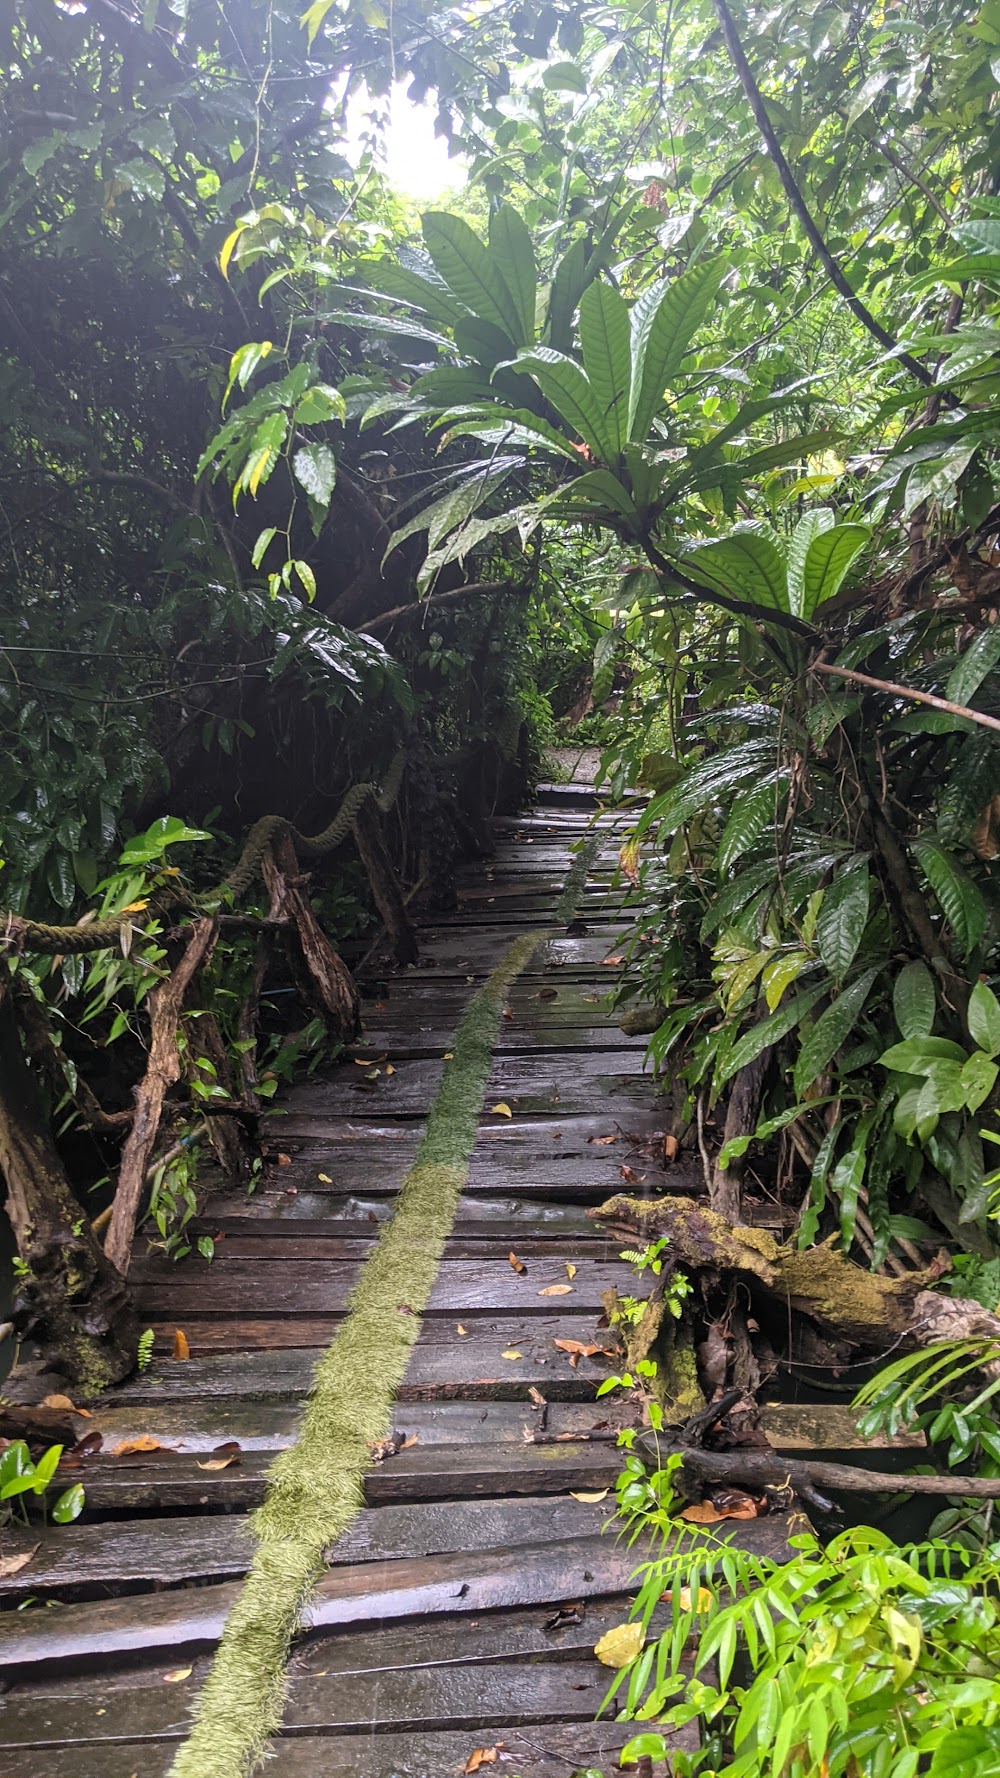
{"x": 508, "y": 1012}
{"x": 548, "y": 994}
{"x": 218, "y": 1462}
{"x": 460, "y": 1329}
{"x": 412, "y": 1438}
{"x": 620, "y": 1645}
{"x": 501, "y": 1110}
{"x": 177, "y": 1674}
{"x": 577, "y": 1347}
{"x": 612, "y": 962}
{"x": 481, "y": 1756}
{"x": 704, "y": 1599}
{"x": 591, "y": 1499}
{"x": 368, "y": 1061}
{"x": 630, "y": 1176}
{"x": 87, "y": 1446}
{"x": 518, "y": 1264}
{"x": 13, "y": 1564}
{"x": 670, "y": 1146}
{"x": 142, "y": 1443}
{"x": 570, "y": 1270}
{"x": 284, "y": 1160}
{"x": 58, "y": 1401}
{"x": 324, "y": 1178}
{"x": 537, "y": 1397}
{"x": 449, "y": 1056}
{"x": 732, "y": 1505}
{"x": 557, "y": 1290}
{"x": 181, "y": 1349}
{"x": 511, "y": 1352}
{"x": 389, "y": 1068}
{"x": 602, "y": 1141}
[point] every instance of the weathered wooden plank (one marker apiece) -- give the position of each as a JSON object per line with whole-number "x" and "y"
{"x": 468, "y": 1287}
{"x": 368, "y": 1593}
{"x": 550, "y": 1752}
{"x": 568, "y": 1133}
{"x": 266, "y": 1241}
{"x": 425, "y": 1471}
{"x": 76, "y": 1560}
{"x": 466, "y": 1696}
{"x": 325, "y": 1209}
{"x": 528, "y": 1084}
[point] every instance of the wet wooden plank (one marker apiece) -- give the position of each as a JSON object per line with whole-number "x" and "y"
{"x": 528, "y": 1084}
{"x": 325, "y": 1209}
{"x": 464, "y": 1583}
{"x": 469, "y": 1288}
{"x": 426, "y": 1471}
{"x": 463, "y": 1696}
{"x": 550, "y": 1752}
{"x": 85, "y": 1558}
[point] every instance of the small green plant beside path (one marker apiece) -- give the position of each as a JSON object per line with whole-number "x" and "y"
{"x": 317, "y": 1486}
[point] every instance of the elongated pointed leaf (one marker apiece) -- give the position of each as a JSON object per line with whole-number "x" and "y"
{"x": 471, "y": 271}
{"x": 752, "y": 812}
{"x": 979, "y": 659}
{"x": 914, "y": 1000}
{"x": 595, "y": 489}
{"x": 960, "y": 900}
{"x": 831, "y": 1030}
{"x": 607, "y": 355}
{"x": 843, "y": 917}
{"x": 664, "y": 321}
{"x": 809, "y": 527}
{"x": 746, "y": 564}
{"x": 454, "y": 509}
{"x": 565, "y": 386}
{"x": 984, "y": 1019}
{"x": 768, "y": 1032}
{"x": 510, "y": 245}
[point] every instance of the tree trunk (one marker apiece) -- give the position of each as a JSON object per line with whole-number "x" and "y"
{"x": 742, "y": 1113}
{"x": 325, "y": 982}
{"x": 384, "y": 883}
{"x": 73, "y": 1299}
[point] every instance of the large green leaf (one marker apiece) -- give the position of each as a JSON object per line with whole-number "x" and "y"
{"x": 979, "y": 659}
{"x": 831, "y": 1030}
{"x": 607, "y": 357}
{"x": 843, "y": 917}
{"x": 453, "y": 509}
{"x": 718, "y": 776}
{"x": 827, "y": 560}
{"x": 664, "y": 321}
{"x": 471, "y": 271}
{"x": 769, "y": 1031}
{"x": 752, "y": 812}
{"x": 984, "y": 1019}
{"x": 746, "y": 564}
{"x": 565, "y": 386}
{"x": 512, "y": 251}
{"x": 596, "y": 489}
{"x": 960, "y": 900}
{"x": 914, "y": 1000}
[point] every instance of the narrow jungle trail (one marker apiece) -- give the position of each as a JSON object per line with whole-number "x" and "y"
{"x": 457, "y": 1611}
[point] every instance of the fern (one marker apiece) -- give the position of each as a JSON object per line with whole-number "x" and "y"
{"x": 144, "y": 1350}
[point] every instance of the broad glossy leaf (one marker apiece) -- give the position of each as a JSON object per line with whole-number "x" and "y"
{"x": 979, "y": 1077}
{"x": 753, "y": 811}
{"x": 960, "y": 900}
{"x": 747, "y": 564}
{"x": 827, "y": 560}
{"x": 565, "y": 385}
{"x": 512, "y": 251}
{"x": 69, "y": 1506}
{"x": 664, "y": 321}
{"x": 768, "y": 1032}
{"x": 822, "y": 518}
{"x": 914, "y": 1000}
{"x": 780, "y": 973}
{"x": 831, "y": 1031}
{"x": 967, "y": 1753}
{"x": 918, "y": 1055}
{"x": 471, "y": 271}
{"x": 984, "y": 1018}
{"x": 979, "y": 659}
{"x": 607, "y": 358}
{"x": 843, "y": 916}
{"x": 315, "y": 468}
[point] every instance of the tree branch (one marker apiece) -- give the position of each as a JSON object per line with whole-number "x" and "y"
{"x": 479, "y": 587}
{"x": 894, "y": 690}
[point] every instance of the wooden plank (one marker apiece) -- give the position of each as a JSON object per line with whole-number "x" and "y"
{"x": 324, "y": 1209}
{"x": 426, "y": 1471}
{"x": 78, "y": 1560}
{"x": 550, "y": 1752}
{"x": 529, "y": 1084}
{"x": 342, "y": 1137}
{"x": 465, "y": 1583}
{"x": 466, "y": 1696}
{"x": 469, "y": 1288}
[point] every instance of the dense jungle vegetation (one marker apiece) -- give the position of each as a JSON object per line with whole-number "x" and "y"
{"x": 673, "y": 427}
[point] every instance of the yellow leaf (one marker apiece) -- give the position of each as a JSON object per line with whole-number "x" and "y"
{"x": 219, "y": 1462}
{"x": 620, "y": 1645}
{"x": 449, "y": 1056}
{"x": 135, "y": 907}
{"x": 704, "y": 1599}
{"x": 227, "y": 248}
{"x": 557, "y": 1290}
{"x": 570, "y": 1270}
{"x": 460, "y": 1329}
{"x": 181, "y": 1349}
{"x": 324, "y": 1178}
{"x": 177, "y": 1674}
{"x": 390, "y": 1069}
{"x": 501, "y": 1110}
{"x": 511, "y": 1353}
{"x": 591, "y": 1499}
{"x": 256, "y": 468}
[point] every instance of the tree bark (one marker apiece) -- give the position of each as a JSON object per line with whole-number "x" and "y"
{"x": 742, "y": 1113}
{"x": 73, "y": 1298}
{"x": 325, "y": 982}
{"x": 384, "y": 883}
{"x": 162, "y": 1070}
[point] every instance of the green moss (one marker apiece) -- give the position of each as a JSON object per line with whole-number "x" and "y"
{"x": 316, "y": 1488}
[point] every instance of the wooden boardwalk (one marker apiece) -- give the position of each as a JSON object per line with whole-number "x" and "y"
{"x": 460, "y": 1610}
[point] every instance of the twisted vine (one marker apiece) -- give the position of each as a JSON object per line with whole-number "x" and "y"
{"x": 97, "y": 935}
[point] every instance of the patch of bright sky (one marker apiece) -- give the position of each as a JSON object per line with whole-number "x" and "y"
{"x": 417, "y": 161}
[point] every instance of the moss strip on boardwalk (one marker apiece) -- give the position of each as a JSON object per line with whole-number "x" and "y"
{"x": 316, "y": 1488}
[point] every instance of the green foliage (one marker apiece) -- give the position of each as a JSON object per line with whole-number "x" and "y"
{"x": 21, "y": 1478}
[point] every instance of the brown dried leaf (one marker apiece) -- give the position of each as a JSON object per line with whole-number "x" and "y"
{"x": 13, "y": 1564}
{"x": 218, "y": 1462}
{"x": 630, "y": 1176}
{"x": 591, "y": 1499}
{"x": 577, "y": 1347}
{"x": 412, "y": 1438}
{"x": 557, "y": 1290}
{"x": 603, "y": 1141}
{"x": 537, "y": 1397}
{"x": 284, "y": 1160}
{"x": 142, "y": 1443}
{"x": 612, "y": 962}
{"x": 548, "y": 994}
{"x": 181, "y": 1349}
{"x": 482, "y": 1756}
{"x": 177, "y": 1674}
{"x": 58, "y": 1401}
{"x": 512, "y": 1352}
{"x": 459, "y": 1329}
{"x": 518, "y": 1264}
{"x": 670, "y": 1146}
